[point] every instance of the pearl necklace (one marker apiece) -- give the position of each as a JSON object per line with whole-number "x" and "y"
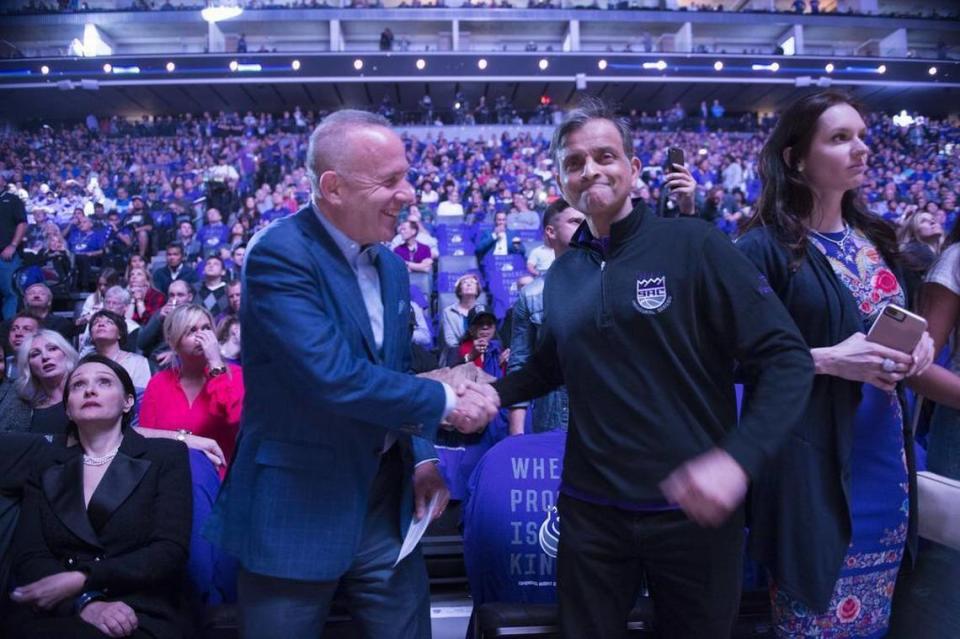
{"x": 90, "y": 460}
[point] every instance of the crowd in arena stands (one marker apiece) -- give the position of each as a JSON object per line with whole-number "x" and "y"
{"x": 140, "y": 229}
{"x": 105, "y": 197}
{"x": 798, "y": 6}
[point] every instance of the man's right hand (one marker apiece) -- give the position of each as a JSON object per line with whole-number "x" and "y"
{"x": 477, "y": 404}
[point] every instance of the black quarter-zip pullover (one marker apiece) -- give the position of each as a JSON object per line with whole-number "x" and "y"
{"x": 646, "y": 331}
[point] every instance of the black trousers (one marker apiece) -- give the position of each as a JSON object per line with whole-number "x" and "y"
{"x": 694, "y": 573}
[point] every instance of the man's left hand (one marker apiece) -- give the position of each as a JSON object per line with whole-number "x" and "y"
{"x": 7, "y": 254}
{"x": 426, "y": 483}
{"x": 46, "y": 593}
{"x": 708, "y": 488}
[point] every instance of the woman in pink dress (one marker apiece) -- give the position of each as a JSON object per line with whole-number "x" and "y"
{"x": 197, "y": 401}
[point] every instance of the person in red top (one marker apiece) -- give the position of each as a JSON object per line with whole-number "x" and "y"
{"x": 479, "y": 344}
{"x": 197, "y": 401}
{"x": 146, "y": 299}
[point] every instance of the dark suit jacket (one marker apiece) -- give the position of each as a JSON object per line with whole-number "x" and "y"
{"x": 320, "y": 400}
{"x": 162, "y": 279}
{"x": 15, "y": 414}
{"x": 132, "y": 540}
{"x": 486, "y": 243}
{"x": 18, "y": 454}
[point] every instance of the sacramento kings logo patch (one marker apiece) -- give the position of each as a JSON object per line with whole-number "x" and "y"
{"x": 652, "y": 294}
{"x": 550, "y": 532}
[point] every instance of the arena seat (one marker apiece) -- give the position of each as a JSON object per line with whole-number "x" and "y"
{"x": 423, "y": 281}
{"x": 458, "y": 264}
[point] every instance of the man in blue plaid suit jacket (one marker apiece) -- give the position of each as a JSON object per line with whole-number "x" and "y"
{"x": 334, "y": 444}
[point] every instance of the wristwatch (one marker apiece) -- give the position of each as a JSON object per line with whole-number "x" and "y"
{"x": 182, "y": 434}
{"x": 217, "y": 370}
{"x": 84, "y": 598}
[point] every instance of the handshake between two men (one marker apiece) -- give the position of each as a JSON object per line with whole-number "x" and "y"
{"x": 477, "y": 401}
{"x": 477, "y": 404}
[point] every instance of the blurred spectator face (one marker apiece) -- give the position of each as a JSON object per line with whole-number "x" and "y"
{"x": 121, "y": 193}
{"x": 413, "y": 213}
{"x": 46, "y": 360}
{"x": 138, "y": 278}
{"x": 105, "y": 405}
{"x": 37, "y": 298}
{"x": 560, "y": 231}
{"x": 186, "y": 230}
{"x": 238, "y": 229}
{"x": 104, "y": 330}
{"x": 55, "y": 243}
{"x": 484, "y": 329}
{"x": 213, "y": 268}
{"x": 407, "y": 231}
{"x": 20, "y": 328}
{"x": 500, "y": 222}
{"x": 174, "y": 256}
{"x": 189, "y": 344}
{"x": 102, "y": 285}
{"x": 596, "y": 176}
{"x": 213, "y": 216}
{"x": 85, "y": 223}
{"x": 277, "y": 199}
{"x": 469, "y": 286}
{"x": 238, "y": 255}
{"x": 114, "y": 302}
{"x": 39, "y": 216}
{"x": 137, "y": 261}
{"x": 137, "y": 205}
{"x": 179, "y": 293}
{"x": 928, "y": 227}
{"x": 234, "y": 292}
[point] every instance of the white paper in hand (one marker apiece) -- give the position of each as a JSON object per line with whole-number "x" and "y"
{"x": 417, "y": 528}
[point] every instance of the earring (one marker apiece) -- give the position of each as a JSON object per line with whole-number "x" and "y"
{"x": 800, "y": 168}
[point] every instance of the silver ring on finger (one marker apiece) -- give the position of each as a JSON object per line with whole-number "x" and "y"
{"x": 889, "y": 365}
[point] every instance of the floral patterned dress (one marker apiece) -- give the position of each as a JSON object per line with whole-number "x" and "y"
{"x": 879, "y": 499}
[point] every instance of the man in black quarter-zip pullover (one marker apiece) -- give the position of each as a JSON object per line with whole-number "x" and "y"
{"x": 645, "y": 320}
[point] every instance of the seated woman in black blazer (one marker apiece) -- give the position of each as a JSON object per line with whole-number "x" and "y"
{"x": 104, "y": 529}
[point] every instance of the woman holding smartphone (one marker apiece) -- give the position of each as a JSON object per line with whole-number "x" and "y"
{"x": 836, "y": 510}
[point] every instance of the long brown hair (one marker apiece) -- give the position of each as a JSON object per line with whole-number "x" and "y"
{"x": 786, "y": 199}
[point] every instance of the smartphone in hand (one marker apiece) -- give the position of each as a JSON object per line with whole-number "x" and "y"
{"x": 674, "y": 156}
{"x": 897, "y": 328}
